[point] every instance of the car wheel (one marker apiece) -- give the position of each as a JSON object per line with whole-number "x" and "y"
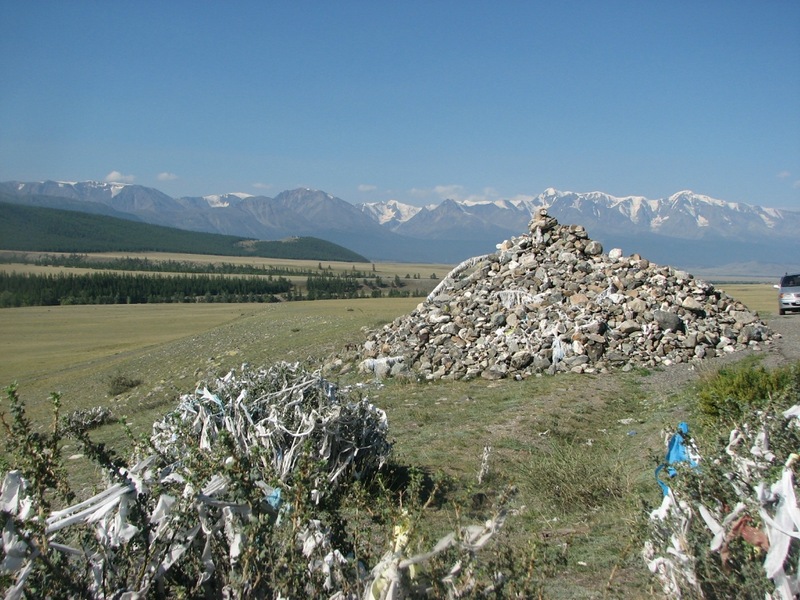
{"x": 781, "y": 311}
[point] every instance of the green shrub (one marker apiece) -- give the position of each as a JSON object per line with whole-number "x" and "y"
{"x": 732, "y": 392}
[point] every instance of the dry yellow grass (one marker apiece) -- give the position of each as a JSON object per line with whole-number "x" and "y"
{"x": 382, "y": 269}
{"x": 78, "y": 349}
{"x": 44, "y": 340}
{"x": 759, "y": 297}
{"x": 416, "y": 278}
{"x": 41, "y": 269}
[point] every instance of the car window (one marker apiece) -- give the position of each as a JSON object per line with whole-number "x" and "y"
{"x": 792, "y": 281}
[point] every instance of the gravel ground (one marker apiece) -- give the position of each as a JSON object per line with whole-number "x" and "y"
{"x": 787, "y": 348}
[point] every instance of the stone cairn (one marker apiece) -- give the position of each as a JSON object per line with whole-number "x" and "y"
{"x": 551, "y": 301}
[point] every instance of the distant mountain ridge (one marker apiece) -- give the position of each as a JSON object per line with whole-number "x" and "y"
{"x": 685, "y": 229}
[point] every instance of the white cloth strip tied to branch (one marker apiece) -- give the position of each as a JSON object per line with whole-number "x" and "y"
{"x": 484, "y": 470}
{"x": 450, "y": 278}
{"x": 673, "y": 566}
{"x": 13, "y": 499}
{"x": 782, "y": 525}
{"x": 512, "y": 298}
{"x": 281, "y": 419}
{"x": 387, "y": 581}
{"x": 286, "y": 410}
{"x": 774, "y": 502}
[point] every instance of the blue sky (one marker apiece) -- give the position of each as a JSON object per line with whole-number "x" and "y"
{"x": 416, "y": 101}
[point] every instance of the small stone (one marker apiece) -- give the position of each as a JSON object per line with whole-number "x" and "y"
{"x": 593, "y": 248}
{"x": 628, "y": 327}
{"x": 744, "y": 317}
{"x": 668, "y": 320}
{"x": 498, "y": 320}
{"x": 492, "y": 374}
{"x": 690, "y": 303}
{"x": 577, "y": 299}
{"x": 521, "y": 359}
{"x": 637, "y": 305}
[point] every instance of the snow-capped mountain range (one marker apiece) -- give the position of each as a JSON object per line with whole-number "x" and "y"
{"x": 682, "y": 215}
{"x": 686, "y": 229}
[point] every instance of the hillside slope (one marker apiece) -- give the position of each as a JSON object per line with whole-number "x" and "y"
{"x": 36, "y": 228}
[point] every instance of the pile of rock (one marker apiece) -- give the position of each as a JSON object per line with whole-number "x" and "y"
{"x": 552, "y": 301}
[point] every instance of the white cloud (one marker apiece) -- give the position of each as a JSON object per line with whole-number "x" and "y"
{"x": 117, "y": 177}
{"x": 166, "y": 176}
{"x": 452, "y": 192}
{"x": 796, "y": 185}
{"x": 459, "y": 193}
{"x": 365, "y": 187}
{"x": 420, "y": 192}
{"x": 784, "y": 175}
{"x": 262, "y": 186}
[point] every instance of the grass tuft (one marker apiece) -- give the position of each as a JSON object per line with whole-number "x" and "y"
{"x": 119, "y": 384}
{"x": 567, "y": 476}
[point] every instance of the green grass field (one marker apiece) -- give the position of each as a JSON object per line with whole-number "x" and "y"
{"x": 579, "y": 448}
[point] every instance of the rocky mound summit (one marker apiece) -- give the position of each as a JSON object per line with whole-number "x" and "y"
{"x": 552, "y": 301}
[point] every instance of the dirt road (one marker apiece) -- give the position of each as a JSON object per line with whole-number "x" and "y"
{"x": 787, "y": 348}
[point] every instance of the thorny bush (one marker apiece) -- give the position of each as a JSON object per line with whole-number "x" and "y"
{"x": 729, "y": 528}
{"x": 199, "y": 510}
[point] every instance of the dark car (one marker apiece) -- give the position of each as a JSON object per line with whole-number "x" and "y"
{"x": 789, "y": 293}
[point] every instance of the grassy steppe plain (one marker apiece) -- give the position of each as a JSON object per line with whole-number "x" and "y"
{"x": 415, "y": 278}
{"x": 581, "y": 449}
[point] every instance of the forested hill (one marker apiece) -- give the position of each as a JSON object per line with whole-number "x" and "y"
{"x": 32, "y": 228}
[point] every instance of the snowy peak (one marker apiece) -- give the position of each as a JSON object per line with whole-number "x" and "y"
{"x": 684, "y": 215}
{"x": 126, "y": 197}
{"x": 451, "y": 205}
{"x": 502, "y": 204}
{"x": 549, "y": 196}
{"x": 453, "y": 220}
{"x": 688, "y": 197}
{"x": 390, "y": 213}
{"x": 72, "y": 189}
{"x": 225, "y": 200}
